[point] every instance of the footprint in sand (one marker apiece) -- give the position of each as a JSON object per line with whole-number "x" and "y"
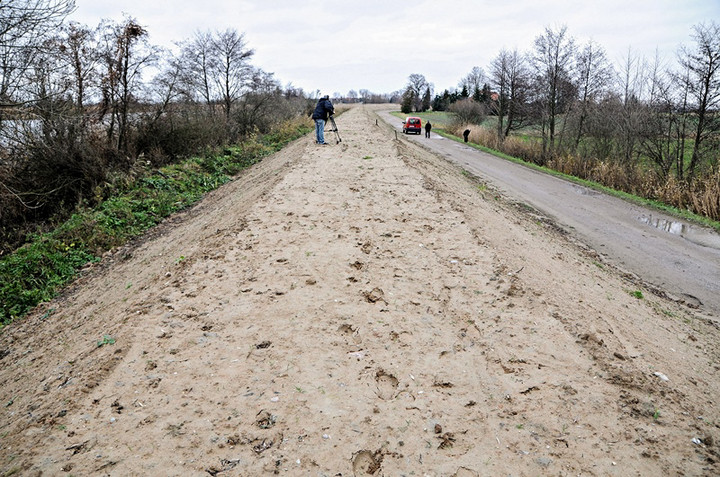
{"x": 351, "y": 333}
{"x": 387, "y": 385}
{"x": 366, "y": 462}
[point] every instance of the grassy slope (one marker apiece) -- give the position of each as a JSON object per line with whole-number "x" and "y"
{"x": 37, "y": 271}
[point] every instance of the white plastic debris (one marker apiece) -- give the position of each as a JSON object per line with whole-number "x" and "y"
{"x": 661, "y": 376}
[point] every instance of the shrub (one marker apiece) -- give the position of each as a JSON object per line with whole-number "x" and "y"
{"x": 180, "y": 133}
{"x": 468, "y": 111}
{"x": 36, "y": 271}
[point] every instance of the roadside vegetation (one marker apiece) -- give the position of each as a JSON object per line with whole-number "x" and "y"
{"x": 642, "y": 128}
{"x": 446, "y": 124}
{"x": 93, "y": 152}
{"x": 35, "y": 272}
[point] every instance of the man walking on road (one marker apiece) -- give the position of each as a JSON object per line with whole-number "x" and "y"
{"x": 323, "y": 110}
{"x": 428, "y": 127}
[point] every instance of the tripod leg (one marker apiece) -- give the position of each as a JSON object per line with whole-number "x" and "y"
{"x": 334, "y": 128}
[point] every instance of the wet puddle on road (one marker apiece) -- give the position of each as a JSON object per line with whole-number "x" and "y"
{"x": 695, "y": 234}
{"x": 585, "y": 191}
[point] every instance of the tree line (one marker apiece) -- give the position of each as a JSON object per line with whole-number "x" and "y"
{"x": 83, "y": 108}
{"x": 663, "y": 118}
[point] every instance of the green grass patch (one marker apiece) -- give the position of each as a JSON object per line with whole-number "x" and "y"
{"x": 106, "y": 340}
{"x": 37, "y": 271}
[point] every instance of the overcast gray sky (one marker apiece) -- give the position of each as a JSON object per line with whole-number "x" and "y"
{"x": 337, "y": 45}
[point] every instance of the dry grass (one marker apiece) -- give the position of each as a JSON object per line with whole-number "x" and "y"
{"x": 701, "y": 196}
{"x": 706, "y": 196}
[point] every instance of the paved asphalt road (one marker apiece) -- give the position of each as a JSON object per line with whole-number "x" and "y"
{"x": 675, "y": 256}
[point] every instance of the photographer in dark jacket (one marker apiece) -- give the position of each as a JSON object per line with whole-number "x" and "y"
{"x": 323, "y": 110}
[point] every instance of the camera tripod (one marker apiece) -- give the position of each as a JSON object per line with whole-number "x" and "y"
{"x": 335, "y": 130}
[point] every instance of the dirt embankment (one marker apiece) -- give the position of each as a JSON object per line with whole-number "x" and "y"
{"x": 358, "y": 309}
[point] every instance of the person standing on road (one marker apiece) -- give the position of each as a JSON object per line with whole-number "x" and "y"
{"x": 466, "y": 133}
{"x": 323, "y": 110}
{"x": 428, "y": 127}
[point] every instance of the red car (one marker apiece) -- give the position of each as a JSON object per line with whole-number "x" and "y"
{"x": 412, "y": 124}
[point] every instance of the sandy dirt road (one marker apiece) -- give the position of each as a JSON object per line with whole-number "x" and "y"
{"x": 352, "y": 310}
{"x": 677, "y": 257}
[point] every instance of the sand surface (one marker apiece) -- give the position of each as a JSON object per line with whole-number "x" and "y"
{"x": 357, "y": 309}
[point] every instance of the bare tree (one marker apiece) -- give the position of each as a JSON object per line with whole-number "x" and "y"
{"x": 510, "y": 78}
{"x": 48, "y": 84}
{"x": 126, "y": 54}
{"x": 662, "y": 129}
{"x": 263, "y": 98}
{"x": 231, "y": 69}
{"x": 79, "y": 48}
{"x": 24, "y": 28}
{"x": 594, "y": 79}
{"x": 553, "y": 63}
{"x": 167, "y": 86}
{"x": 473, "y": 81}
{"x": 21, "y": 19}
{"x": 601, "y": 127}
{"x": 500, "y": 78}
{"x": 702, "y": 84}
{"x": 198, "y": 63}
{"x": 628, "y": 120}
{"x": 683, "y": 109}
